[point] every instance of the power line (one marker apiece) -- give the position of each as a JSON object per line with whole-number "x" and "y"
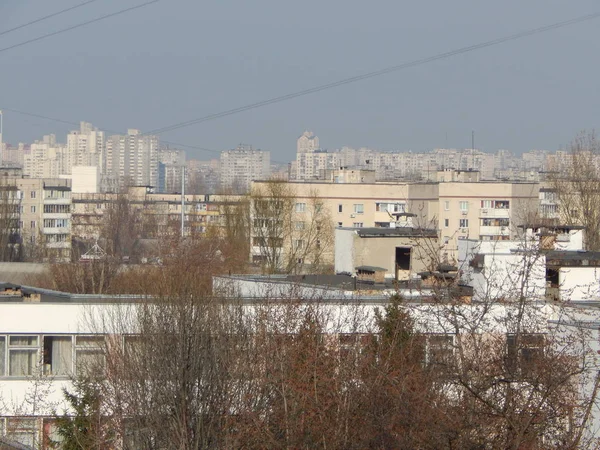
{"x": 377, "y": 73}
{"x": 41, "y": 19}
{"x": 79, "y": 25}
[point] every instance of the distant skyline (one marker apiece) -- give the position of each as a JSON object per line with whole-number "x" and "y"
{"x": 179, "y": 60}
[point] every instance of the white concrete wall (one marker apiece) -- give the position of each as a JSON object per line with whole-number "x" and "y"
{"x": 344, "y": 250}
{"x": 85, "y": 179}
{"x": 579, "y": 283}
{"x": 510, "y": 269}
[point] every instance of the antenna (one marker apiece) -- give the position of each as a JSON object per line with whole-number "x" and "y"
{"x": 472, "y": 149}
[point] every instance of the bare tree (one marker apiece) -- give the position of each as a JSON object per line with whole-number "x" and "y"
{"x": 577, "y": 185}
{"x": 289, "y": 233}
{"x": 10, "y": 238}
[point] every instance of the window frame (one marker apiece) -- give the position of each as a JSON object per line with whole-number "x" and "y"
{"x": 30, "y": 349}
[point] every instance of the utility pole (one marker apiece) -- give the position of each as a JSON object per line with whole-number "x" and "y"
{"x": 1, "y": 135}
{"x": 182, "y": 200}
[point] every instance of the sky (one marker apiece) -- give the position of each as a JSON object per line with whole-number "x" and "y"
{"x": 178, "y": 60}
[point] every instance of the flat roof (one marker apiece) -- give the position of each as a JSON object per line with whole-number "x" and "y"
{"x": 393, "y": 232}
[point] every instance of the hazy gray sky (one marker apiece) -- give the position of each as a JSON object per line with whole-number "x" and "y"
{"x": 183, "y": 59}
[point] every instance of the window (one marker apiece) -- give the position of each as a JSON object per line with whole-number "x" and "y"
{"x": 340, "y": 208}
{"x": 32, "y": 224}
{"x": 33, "y": 209}
{"x": 440, "y": 349}
{"x": 89, "y": 354}
{"x": 353, "y": 347}
{"x": 359, "y": 208}
{"x": 22, "y": 355}
{"x": 2, "y": 357}
{"x": 495, "y": 222}
{"x": 318, "y": 207}
{"x": 486, "y": 204}
{"x": 132, "y": 345}
{"x": 299, "y": 225}
{"x": 446, "y": 205}
{"x": 58, "y": 355}
{"x": 525, "y": 353}
{"x": 446, "y": 223}
{"x": 53, "y": 209}
{"x": 390, "y": 207}
{"x": 464, "y": 205}
{"x": 298, "y": 244}
{"x": 22, "y": 430}
{"x": 357, "y": 224}
{"x": 300, "y": 207}
{"x": 463, "y": 223}
{"x": 33, "y": 194}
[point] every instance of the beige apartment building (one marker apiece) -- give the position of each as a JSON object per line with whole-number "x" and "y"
{"x": 159, "y": 213}
{"x": 40, "y": 216}
{"x": 458, "y": 205}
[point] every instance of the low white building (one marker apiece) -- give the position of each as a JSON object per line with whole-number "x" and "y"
{"x": 59, "y": 334}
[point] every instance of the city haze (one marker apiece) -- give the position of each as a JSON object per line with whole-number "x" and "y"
{"x": 174, "y": 61}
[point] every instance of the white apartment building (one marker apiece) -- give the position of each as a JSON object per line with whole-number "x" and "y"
{"x": 239, "y": 167}
{"x": 85, "y": 147}
{"x": 307, "y": 143}
{"x": 132, "y": 159}
{"x": 14, "y": 155}
{"x": 171, "y": 166}
{"x": 46, "y": 159}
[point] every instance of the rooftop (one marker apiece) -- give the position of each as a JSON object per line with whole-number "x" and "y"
{"x": 393, "y": 232}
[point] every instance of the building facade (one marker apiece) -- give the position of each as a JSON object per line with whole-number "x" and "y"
{"x": 239, "y": 167}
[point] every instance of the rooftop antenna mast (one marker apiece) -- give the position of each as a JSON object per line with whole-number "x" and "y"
{"x": 472, "y": 149}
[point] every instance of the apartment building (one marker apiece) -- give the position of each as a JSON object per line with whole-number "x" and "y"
{"x": 132, "y": 159}
{"x": 171, "y": 166}
{"x": 45, "y": 221}
{"x": 239, "y": 167}
{"x": 85, "y": 147}
{"x": 46, "y": 159}
{"x": 459, "y": 205}
{"x": 161, "y": 211}
{"x": 12, "y": 155}
{"x": 471, "y": 209}
{"x": 36, "y": 217}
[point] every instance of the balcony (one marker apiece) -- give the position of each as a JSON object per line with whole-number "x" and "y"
{"x": 66, "y": 244}
{"x": 57, "y": 201}
{"x": 494, "y": 231}
{"x": 494, "y": 213}
{"x": 56, "y": 216}
{"x": 56, "y": 230}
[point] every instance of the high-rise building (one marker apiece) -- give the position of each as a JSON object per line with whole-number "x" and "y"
{"x": 241, "y": 166}
{"x": 46, "y": 159}
{"x": 85, "y": 147}
{"x": 307, "y": 143}
{"x": 132, "y": 159}
{"x": 171, "y": 164}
